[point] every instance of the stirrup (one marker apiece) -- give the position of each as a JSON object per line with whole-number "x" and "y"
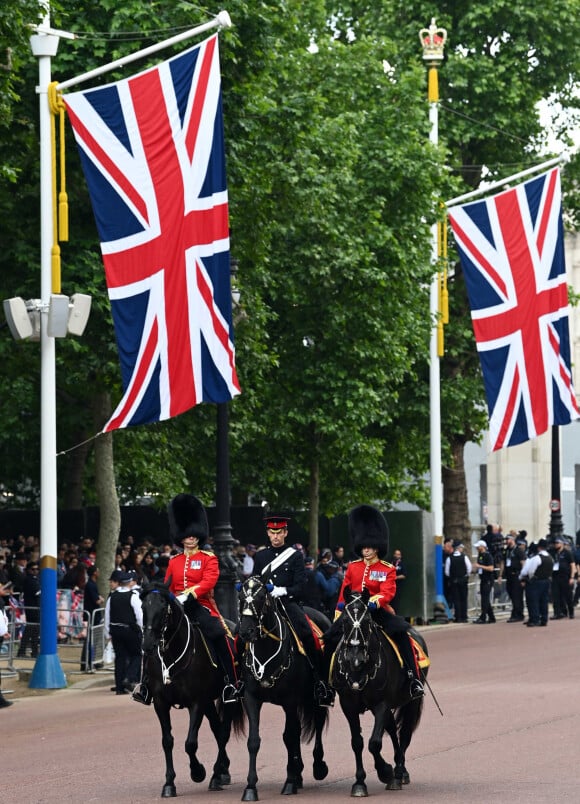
{"x": 324, "y": 694}
{"x": 141, "y": 694}
{"x": 416, "y": 689}
{"x": 233, "y": 692}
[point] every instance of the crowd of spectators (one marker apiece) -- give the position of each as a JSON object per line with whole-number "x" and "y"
{"x": 513, "y": 569}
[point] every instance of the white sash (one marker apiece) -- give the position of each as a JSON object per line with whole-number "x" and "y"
{"x": 280, "y": 559}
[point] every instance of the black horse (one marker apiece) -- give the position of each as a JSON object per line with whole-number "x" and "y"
{"x": 182, "y": 674}
{"x": 366, "y": 673}
{"x": 275, "y": 671}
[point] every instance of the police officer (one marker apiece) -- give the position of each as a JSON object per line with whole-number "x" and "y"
{"x": 537, "y": 575}
{"x": 458, "y": 570}
{"x": 485, "y": 569}
{"x": 283, "y": 568}
{"x": 562, "y": 580}
{"x": 124, "y": 626}
{"x": 513, "y": 561}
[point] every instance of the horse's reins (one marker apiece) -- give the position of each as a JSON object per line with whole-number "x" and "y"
{"x": 165, "y": 670}
{"x": 356, "y": 637}
{"x": 256, "y": 667}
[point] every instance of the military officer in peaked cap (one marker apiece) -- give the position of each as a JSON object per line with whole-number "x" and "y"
{"x": 369, "y": 534}
{"x": 283, "y": 567}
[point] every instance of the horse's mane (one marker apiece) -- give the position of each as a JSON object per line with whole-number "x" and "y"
{"x": 156, "y": 586}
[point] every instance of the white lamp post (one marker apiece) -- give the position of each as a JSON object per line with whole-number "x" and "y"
{"x": 433, "y": 43}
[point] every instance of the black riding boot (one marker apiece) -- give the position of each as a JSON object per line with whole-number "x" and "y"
{"x": 323, "y": 692}
{"x": 141, "y": 693}
{"x": 233, "y": 690}
{"x": 416, "y": 689}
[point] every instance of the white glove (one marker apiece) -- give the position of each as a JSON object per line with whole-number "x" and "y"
{"x": 182, "y": 598}
{"x": 279, "y": 591}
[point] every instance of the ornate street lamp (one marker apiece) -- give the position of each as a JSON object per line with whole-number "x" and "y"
{"x": 225, "y": 590}
{"x": 556, "y": 521}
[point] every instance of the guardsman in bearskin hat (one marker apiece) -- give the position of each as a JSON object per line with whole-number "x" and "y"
{"x": 192, "y": 576}
{"x": 283, "y": 567}
{"x": 369, "y": 534}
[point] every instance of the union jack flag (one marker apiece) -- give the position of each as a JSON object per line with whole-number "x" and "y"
{"x": 152, "y": 151}
{"x": 511, "y": 247}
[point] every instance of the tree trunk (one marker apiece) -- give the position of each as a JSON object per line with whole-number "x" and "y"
{"x": 110, "y": 511}
{"x": 314, "y": 506}
{"x": 455, "y": 505}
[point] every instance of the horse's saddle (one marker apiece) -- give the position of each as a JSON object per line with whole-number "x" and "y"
{"x": 316, "y": 633}
{"x": 422, "y": 659}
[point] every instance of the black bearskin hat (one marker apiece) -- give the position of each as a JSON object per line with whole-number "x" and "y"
{"x": 368, "y": 528}
{"x": 187, "y": 517}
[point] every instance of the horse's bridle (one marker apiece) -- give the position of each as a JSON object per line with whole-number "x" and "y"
{"x": 248, "y": 609}
{"x": 354, "y": 636}
{"x": 163, "y": 644}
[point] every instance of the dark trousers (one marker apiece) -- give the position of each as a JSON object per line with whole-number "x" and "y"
{"x": 537, "y": 597}
{"x": 396, "y": 627}
{"x": 459, "y": 597}
{"x": 485, "y": 590}
{"x": 31, "y": 635}
{"x": 300, "y": 623}
{"x": 127, "y": 646}
{"x": 562, "y": 598}
{"x": 212, "y": 628}
{"x": 515, "y": 591}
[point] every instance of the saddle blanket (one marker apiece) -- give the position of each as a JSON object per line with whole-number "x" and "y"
{"x": 316, "y": 633}
{"x": 422, "y": 659}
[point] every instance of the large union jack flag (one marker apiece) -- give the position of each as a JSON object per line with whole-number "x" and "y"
{"x": 511, "y": 247}
{"x": 152, "y": 150}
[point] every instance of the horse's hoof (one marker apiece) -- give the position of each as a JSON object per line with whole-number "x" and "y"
{"x": 225, "y": 778}
{"x": 250, "y": 794}
{"x": 289, "y": 789}
{"x": 320, "y": 771}
{"x": 198, "y": 774}
{"x": 359, "y": 791}
{"x": 385, "y": 773}
{"x": 394, "y": 784}
{"x": 406, "y": 778}
{"x": 214, "y": 784}
{"x": 168, "y": 791}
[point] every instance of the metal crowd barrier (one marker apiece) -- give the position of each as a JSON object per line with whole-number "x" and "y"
{"x": 80, "y": 639}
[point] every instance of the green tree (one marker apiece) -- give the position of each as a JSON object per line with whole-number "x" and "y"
{"x": 501, "y": 59}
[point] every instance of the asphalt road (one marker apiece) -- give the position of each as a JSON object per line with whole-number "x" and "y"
{"x": 509, "y": 733}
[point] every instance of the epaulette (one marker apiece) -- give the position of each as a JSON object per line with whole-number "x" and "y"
{"x": 175, "y": 556}
{"x": 207, "y": 552}
{"x": 356, "y": 561}
{"x": 382, "y": 561}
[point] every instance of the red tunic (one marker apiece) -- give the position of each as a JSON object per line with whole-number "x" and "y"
{"x": 378, "y": 578}
{"x": 198, "y": 571}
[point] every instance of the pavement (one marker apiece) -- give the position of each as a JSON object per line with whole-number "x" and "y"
{"x": 510, "y": 726}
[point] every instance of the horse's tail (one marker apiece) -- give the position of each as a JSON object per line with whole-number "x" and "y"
{"x": 407, "y": 718}
{"x": 237, "y": 714}
{"x": 308, "y": 715}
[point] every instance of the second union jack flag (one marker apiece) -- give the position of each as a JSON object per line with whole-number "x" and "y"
{"x": 511, "y": 247}
{"x": 152, "y": 150}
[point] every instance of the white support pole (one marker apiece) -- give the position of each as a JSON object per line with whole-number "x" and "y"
{"x": 433, "y": 43}
{"x": 434, "y": 364}
{"x": 221, "y": 21}
{"x": 47, "y": 673}
{"x": 489, "y": 188}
